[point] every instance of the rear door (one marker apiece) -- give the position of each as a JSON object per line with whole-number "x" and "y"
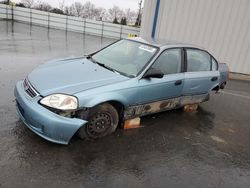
{"x": 201, "y": 76}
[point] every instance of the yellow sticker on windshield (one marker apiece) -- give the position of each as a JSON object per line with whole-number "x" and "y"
{"x": 147, "y": 48}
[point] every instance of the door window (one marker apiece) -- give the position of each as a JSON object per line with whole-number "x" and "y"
{"x": 169, "y": 62}
{"x": 198, "y": 60}
{"x": 214, "y": 65}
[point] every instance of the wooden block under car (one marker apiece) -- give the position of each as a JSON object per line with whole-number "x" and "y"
{"x": 191, "y": 107}
{"x": 132, "y": 123}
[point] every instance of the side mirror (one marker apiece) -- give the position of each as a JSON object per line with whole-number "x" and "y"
{"x": 153, "y": 73}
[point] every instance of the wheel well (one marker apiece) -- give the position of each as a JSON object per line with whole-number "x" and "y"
{"x": 216, "y": 88}
{"x": 118, "y": 106}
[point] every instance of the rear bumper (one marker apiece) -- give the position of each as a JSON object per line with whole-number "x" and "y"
{"x": 48, "y": 125}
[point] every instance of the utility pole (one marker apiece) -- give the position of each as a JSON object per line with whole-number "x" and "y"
{"x": 140, "y": 4}
{"x": 138, "y": 19}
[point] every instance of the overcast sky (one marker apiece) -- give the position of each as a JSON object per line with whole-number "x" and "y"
{"x": 132, "y": 4}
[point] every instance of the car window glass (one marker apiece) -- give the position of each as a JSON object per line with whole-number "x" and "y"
{"x": 125, "y": 56}
{"x": 169, "y": 62}
{"x": 214, "y": 65}
{"x": 198, "y": 60}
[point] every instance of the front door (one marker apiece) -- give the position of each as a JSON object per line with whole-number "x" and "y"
{"x": 159, "y": 94}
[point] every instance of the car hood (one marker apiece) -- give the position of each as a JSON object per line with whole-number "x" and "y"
{"x": 71, "y": 76}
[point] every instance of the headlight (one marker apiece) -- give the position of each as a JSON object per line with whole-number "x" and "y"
{"x": 60, "y": 101}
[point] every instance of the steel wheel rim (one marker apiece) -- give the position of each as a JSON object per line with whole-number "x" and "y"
{"x": 99, "y": 124}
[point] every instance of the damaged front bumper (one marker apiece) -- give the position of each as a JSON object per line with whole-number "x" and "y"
{"x": 43, "y": 122}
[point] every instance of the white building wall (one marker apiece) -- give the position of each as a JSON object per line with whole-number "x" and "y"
{"x": 220, "y": 26}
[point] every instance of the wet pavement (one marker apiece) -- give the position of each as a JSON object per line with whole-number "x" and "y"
{"x": 208, "y": 148}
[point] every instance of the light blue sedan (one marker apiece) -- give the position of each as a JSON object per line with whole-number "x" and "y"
{"x": 130, "y": 78}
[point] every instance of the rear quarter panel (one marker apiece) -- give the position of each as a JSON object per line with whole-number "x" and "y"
{"x": 224, "y": 71}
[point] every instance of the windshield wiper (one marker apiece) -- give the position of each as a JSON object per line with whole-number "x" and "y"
{"x": 89, "y": 57}
{"x": 101, "y": 64}
{"x": 105, "y": 66}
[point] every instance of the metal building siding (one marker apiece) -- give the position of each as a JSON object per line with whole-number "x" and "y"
{"x": 147, "y": 18}
{"x": 220, "y": 26}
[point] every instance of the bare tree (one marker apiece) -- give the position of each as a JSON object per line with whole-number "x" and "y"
{"x": 115, "y": 13}
{"x": 69, "y": 10}
{"x": 130, "y": 16}
{"x": 99, "y": 14}
{"x": 43, "y": 6}
{"x": 77, "y": 7}
{"x": 61, "y": 4}
{"x": 66, "y": 10}
{"x": 88, "y": 10}
{"x": 28, "y": 3}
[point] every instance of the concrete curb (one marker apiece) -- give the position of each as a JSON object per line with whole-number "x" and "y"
{"x": 239, "y": 76}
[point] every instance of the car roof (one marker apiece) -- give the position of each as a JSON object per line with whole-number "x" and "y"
{"x": 162, "y": 43}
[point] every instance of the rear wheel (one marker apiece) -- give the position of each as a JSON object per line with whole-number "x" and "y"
{"x": 102, "y": 120}
{"x": 222, "y": 86}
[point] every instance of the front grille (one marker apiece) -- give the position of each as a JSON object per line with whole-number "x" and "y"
{"x": 29, "y": 89}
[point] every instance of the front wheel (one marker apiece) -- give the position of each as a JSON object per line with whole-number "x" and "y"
{"x": 102, "y": 121}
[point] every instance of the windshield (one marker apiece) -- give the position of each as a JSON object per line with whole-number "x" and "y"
{"x": 125, "y": 56}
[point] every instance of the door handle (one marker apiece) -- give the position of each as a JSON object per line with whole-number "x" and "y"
{"x": 178, "y": 82}
{"x": 214, "y": 78}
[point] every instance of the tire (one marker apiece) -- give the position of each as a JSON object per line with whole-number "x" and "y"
{"x": 222, "y": 86}
{"x": 102, "y": 121}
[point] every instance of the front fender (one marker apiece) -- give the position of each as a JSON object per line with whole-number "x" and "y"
{"x": 91, "y": 101}
{"x": 125, "y": 93}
